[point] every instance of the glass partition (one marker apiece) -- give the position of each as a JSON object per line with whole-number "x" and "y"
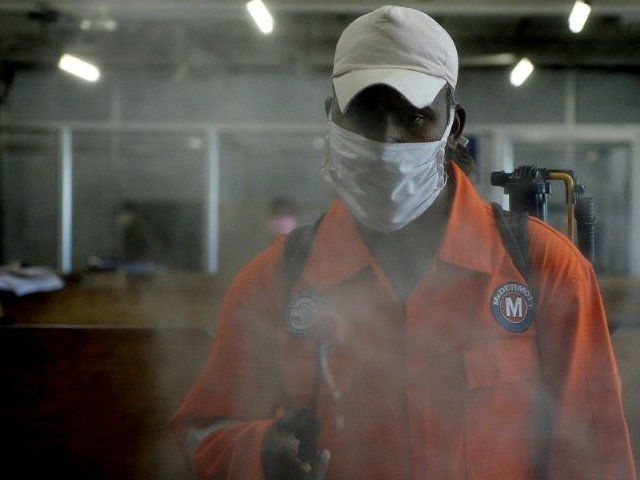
{"x": 150, "y": 194}
{"x": 257, "y": 170}
{"x": 29, "y": 206}
{"x": 139, "y": 196}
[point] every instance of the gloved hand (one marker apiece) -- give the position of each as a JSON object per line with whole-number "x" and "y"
{"x": 289, "y": 450}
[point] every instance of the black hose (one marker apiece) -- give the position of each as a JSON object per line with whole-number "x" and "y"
{"x": 586, "y": 219}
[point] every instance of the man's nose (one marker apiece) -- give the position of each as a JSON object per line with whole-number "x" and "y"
{"x": 386, "y": 129}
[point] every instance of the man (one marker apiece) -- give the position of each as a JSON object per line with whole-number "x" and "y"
{"x": 410, "y": 346}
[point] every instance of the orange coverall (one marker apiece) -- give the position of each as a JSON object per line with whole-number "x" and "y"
{"x": 460, "y": 383}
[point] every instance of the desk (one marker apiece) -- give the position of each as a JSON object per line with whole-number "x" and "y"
{"x": 171, "y": 299}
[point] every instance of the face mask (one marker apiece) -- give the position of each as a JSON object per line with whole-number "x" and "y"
{"x": 385, "y": 185}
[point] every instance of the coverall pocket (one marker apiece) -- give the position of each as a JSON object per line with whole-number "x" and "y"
{"x": 503, "y": 382}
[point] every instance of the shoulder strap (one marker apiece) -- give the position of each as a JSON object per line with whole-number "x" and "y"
{"x": 296, "y": 249}
{"x": 514, "y": 233}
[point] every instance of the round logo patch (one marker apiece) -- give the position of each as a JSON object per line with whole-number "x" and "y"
{"x": 512, "y": 306}
{"x": 299, "y": 317}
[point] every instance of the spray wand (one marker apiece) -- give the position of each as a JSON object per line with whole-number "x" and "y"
{"x": 308, "y": 435}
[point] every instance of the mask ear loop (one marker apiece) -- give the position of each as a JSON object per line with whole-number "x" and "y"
{"x": 451, "y": 144}
{"x": 462, "y": 141}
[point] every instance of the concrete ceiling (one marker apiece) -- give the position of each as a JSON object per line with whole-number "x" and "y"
{"x": 198, "y": 37}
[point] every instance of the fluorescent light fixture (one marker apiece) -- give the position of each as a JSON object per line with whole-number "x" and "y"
{"x": 521, "y": 72}
{"x": 110, "y": 25}
{"x": 579, "y": 14}
{"x": 79, "y": 68}
{"x": 106, "y": 24}
{"x": 260, "y": 15}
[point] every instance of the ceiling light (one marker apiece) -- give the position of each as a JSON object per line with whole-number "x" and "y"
{"x": 107, "y": 24}
{"x": 579, "y": 14}
{"x": 260, "y": 15}
{"x": 79, "y": 68}
{"x": 521, "y": 72}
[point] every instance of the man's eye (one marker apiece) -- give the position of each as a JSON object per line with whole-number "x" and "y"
{"x": 413, "y": 119}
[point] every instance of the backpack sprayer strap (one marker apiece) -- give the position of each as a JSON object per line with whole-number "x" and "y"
{"x": 515, "y": 236}
{"x": 296, "y": 250}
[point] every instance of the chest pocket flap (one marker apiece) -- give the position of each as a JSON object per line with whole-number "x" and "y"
{"x": 501, "y": 361}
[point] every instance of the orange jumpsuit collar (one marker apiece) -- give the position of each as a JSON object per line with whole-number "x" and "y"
{"x": 339, "y": 252}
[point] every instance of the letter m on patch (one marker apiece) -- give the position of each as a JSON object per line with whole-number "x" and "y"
{"x": 513, "y": 307}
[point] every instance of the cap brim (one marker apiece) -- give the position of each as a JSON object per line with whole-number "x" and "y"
{"x": 418, "y": 88}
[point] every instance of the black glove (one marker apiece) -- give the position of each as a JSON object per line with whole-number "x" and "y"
{"x": 290, "y": 452}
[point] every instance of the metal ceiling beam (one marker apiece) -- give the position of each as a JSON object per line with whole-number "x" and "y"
{"x": 280, "y": 61}
{"x": 482, "y": 42}
{"x": 202, "y": 9}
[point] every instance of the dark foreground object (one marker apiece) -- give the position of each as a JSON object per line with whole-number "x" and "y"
{"x": 94, "y": 403}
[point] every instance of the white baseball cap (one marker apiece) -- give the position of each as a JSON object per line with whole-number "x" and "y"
{"x": 396, "y": 46}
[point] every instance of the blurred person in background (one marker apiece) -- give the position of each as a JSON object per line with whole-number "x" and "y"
{"x": 409, "y": 346}
{"x": 283, "y": 215}
{"x": 135, "y": 235}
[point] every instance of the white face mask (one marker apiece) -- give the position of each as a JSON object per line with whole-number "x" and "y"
{"x": 385, "y": 185}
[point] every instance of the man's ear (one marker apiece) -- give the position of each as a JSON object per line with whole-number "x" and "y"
{"x": 327, "y": 105}
{"x": 459, "y": 120}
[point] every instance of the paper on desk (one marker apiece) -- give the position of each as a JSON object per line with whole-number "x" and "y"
{"x": 26, "y": 280}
